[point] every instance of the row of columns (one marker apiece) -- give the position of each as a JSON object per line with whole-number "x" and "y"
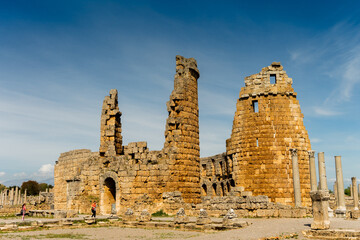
{"x": 339, "y": 184}
{"x": 12, "y": 197}
{"x": 320, "y": 193}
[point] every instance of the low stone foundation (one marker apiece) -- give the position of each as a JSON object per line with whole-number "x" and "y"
{"x": 339, "y": 234}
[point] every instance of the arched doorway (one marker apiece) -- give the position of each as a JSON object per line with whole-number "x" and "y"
{"x": 109, "y": 202}
{"x": 109, "y": 193}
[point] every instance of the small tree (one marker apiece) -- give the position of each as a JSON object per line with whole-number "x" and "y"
{"x": 347, "y": 191}
{"x": 32, "y": 187}
{"x": 2, "y": 187}
{"x": 44, "y": 186}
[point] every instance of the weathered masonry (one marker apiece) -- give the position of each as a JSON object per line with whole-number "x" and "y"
{"x": 267, "y": 124}
{"x": 128, "y": 176}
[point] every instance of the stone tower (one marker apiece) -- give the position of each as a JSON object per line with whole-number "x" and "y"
{"x": 182, "y": 132}
{"x": 110, "y": 126}
{"x": 268, "y": 123}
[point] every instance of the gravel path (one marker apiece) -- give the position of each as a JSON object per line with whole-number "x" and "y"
{"x": 260, "y": 228}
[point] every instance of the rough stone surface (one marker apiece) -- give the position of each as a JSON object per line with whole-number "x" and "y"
{"x": 203, "y": 218}
{"x": 131, "y": 176}
{"x": 110, "y": 130}
{"x": 320, "y": 206}
{"x": 144, "y": 216}
{"x": 268, "y": 123}
{"x": 181, "y": 217}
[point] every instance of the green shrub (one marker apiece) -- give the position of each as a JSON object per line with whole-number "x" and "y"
{"x": 160, "y": 213}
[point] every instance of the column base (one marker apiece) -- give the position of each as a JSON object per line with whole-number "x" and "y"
{"x": 340, "y": 213}
{"x": 320, "y": 225}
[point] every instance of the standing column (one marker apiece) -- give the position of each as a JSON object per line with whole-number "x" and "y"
{"x": 25, "y": 192}
{"x": 12, "y": 196}
{"x": 1, "y": 198}
{"x": 336, "y": 195}
{"x": 296, "y": 177}
{"x": 313, "y": 181}
{"x": 351, "y": 191}
{"x": 5, "y": 197}
{"x": 322, "y": 171}
{"x": 355, "y": 193}
{"x": 341, "y": 210}
{"x": 16, "y": 196}
{"x": 19, "y": 196}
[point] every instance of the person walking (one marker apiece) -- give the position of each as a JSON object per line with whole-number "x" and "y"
{"x": 23, "y": 211}
{"x": 93, "y": 209}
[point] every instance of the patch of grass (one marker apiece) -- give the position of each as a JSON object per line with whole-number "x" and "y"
{"x": 64, "y": 235}
{"x": 160, "y": 213}
{"x": 8, "y": 216}
{"x": 24, "y": 223}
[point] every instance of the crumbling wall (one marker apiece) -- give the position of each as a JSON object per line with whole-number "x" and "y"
{"x": 268, "y": 122}
{"x": 182, "y": 144}
{"x": 110, "y": 127}
{"x": 76, "y": 180}
{"x": 133, "y": 176}
{"x": 216, "y": 176}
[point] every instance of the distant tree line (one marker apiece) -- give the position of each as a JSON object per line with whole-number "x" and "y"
{"x": 32, "y": 187}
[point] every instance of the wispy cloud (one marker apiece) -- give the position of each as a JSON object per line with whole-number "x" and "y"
{"x": 2, "y": 174}
{"x": 322, "y": 111}
{"x": 336, "y": 53}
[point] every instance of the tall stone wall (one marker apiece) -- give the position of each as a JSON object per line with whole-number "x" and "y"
{"x": 182, "y": 144}
{"x": 268, "y": 122}
{"x": 110, "y": 127}
{"x": 118, "y": 176}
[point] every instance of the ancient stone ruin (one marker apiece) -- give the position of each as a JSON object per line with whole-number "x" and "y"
{"x": 268, "y": 123}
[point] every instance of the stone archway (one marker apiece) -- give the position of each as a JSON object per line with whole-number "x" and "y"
{"x": 109, "y": 194}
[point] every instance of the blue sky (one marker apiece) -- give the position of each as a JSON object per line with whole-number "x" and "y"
{"x": 58, "y": 59}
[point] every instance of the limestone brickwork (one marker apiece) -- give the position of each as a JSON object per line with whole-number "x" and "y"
{"x": 182, "y": 132}
{"x": 131, "y": 176}
{"x": 268, "y": 123}
{"x": 110, "y": 127}
{"x": 257, "y": 160}
{"x": 216, "y": 176}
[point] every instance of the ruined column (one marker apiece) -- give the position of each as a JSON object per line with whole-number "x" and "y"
{"x": 2, "y": 198}
{"x": 25, "y": 197}
{"x": 320, "y": 205}
{"x": 322, "y": 171}
{"x": 351, "y": 191}
{"x": 355, "y": 193}
{"x": 312, "y": 166}
{"x": 296, "y": 177}
{"x": 341, "y": 210}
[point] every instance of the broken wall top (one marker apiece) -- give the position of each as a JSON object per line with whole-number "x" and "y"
{"x": 259, "y": 84}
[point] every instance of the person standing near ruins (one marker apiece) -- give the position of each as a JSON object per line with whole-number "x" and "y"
{"x": 93, "y": 209}
{"x": 23, "y": 211}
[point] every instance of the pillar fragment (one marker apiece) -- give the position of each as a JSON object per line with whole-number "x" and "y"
{"x": 341, "y": 210}
{"x": 322, "y": 171}
{"x": 320, "y": 205}
{"x": 296, "y": 177}
{"x": 355, "y": 193}
{"x": 313, "y": 180}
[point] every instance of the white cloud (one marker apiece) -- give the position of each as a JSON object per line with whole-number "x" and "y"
{"x": 315, "y": 140}
{"x": 2, "y": 174}
{"x": 322, "y": 111}
{"x": 46, "y": 169}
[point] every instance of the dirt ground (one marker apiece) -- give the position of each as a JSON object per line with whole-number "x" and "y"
{"x": 260, "y": 228}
